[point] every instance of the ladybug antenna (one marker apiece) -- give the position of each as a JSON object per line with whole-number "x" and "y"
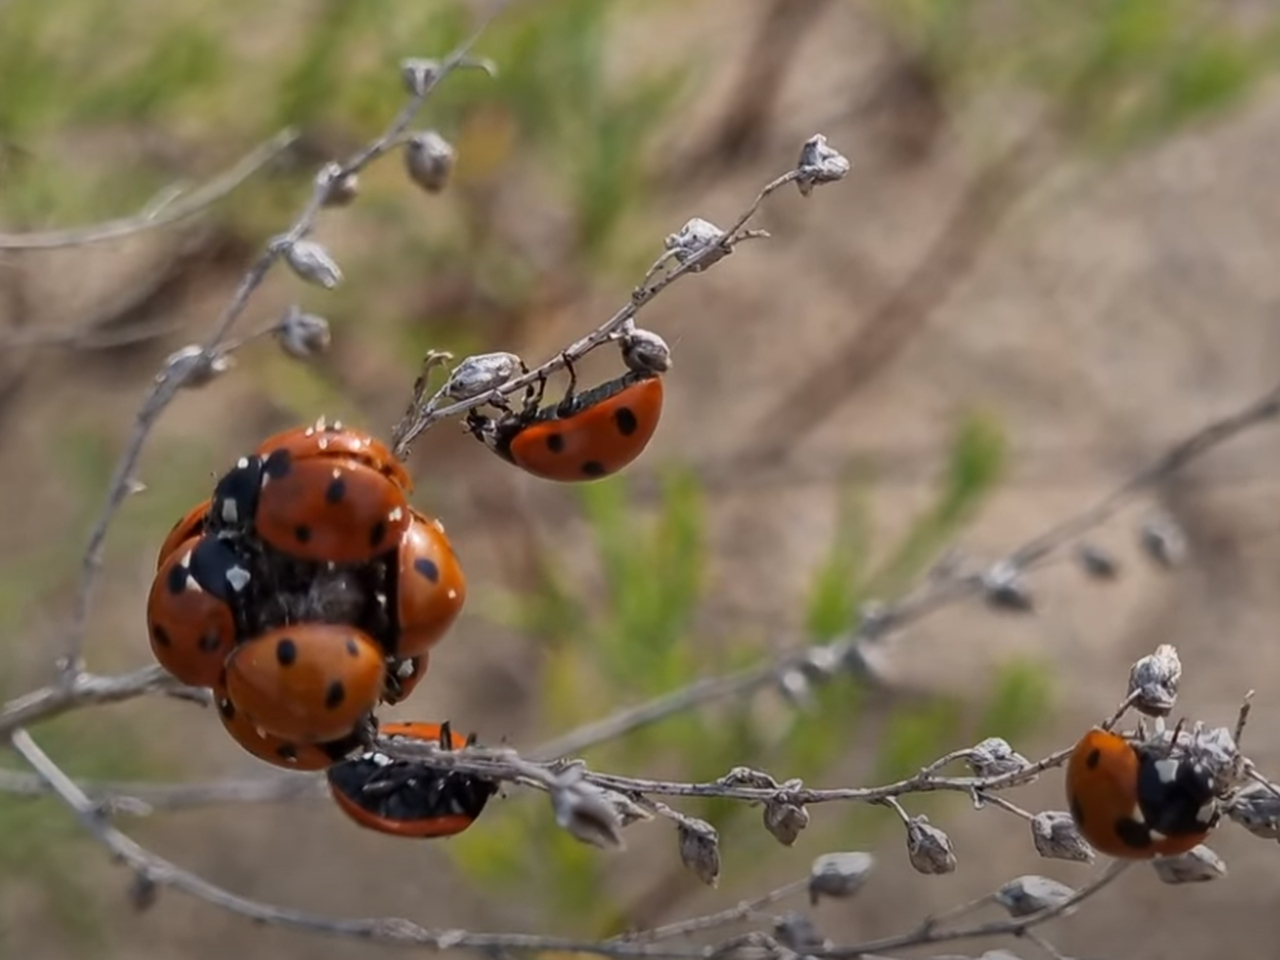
{"x": 1177, "y": 730}
{"x": 471, "y": 740}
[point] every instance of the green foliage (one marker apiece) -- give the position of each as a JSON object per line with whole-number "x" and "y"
{"x": 626, "y": 634}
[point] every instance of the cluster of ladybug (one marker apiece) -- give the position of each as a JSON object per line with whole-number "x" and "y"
{"x": 305, "y": 592}
{"x": 1135, "y": 802}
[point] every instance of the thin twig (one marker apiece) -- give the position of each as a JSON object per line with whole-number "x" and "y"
{"x": 174, "y": 206}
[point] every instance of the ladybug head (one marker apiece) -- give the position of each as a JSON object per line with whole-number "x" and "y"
{"x": 495, "y": 434}
{"x": 235, "y": 497}
{"x": 1177, "y": 795}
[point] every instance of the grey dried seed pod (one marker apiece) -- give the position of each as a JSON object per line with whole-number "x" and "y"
{"x": 1154, "y": 680}
{"x": 819, "y": 164}
{"x": 418, "y": 74}
{"x": 839, "y": 875}
{"x": 480, "y": 374}
{"x": 700, "y": 849}
{"x": 194, "y": 366}
{"x": 697, "y": 238}
{"x": 1031, "y": 894}
{"x": 1055, "y": 836}
{"x": 928, "y": 848}
{"x": 429, "y": 160}
{"x": 584, "y": 811}
{"x": 785, "y": 820}
{"x": 747, "y": 777}
{"x": 302, "y": 335}
{"x": 795, "y": 688}
{"x": 339, "y": 188}
{"x": 643, "y": 351}
{"x": 1257, "y": 808}
{"x": 1163, "y": 540}
{"x": 143, "y": 891}
{"x": 798, "y": 932}
{"x": 874, "y": 618}
{"x": 1197, "y": 865}
{"x": 993, "y": 757}
{"x": 312, "y": 263}
{"x": 1096, "y": 562}
{"x": 1005, "y": 589}
{"x": 825, "y": 660}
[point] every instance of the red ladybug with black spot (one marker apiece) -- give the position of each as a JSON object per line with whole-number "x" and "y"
{"x": 191, "y": 525}
{"x": 428, "y": 589}
{"x": 324, "y": 439}
{"x": 306, "y": 683}
{"x": 409, "y": 798}
{"x": 322, "y": 509}
{"x": 1134, "y": 801}
{"x": 585, "y": 436}
{"x": 194, "y": 609}
{"x": 279, "y": 751}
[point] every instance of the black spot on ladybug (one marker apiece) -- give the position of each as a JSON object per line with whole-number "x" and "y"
{"x": 593, "y": 468}
{"x": 1091, "y": 761}
{"x": 162, "y": 636}
{"x": 210, "y": 642}
{"x": 336, "y": 490}
{"x": 377, "y": 534}
{"x": 302, "y": 533}
{"x": 278, "y": 464}
{"x": 287, "y": 751}
{"x": 286, "y": 652}
{"x": 334, "y": 696}
{"x": 555, "y": 442}
{"x": 353, "y": 650}
{"x": 626, "y": 420}
{"x": 176, "y": 582}
{"x": 428, "y": 569}
{"x": 1133, "y": 834}
{"x": 1077, "y": 811}
{"x": 227, "y": 708}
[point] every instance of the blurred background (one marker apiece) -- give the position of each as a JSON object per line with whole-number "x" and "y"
{"x": 1055, "y": 255}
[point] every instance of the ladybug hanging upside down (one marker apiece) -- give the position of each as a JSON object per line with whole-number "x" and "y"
{"x": 1134, "y": 801}
{"x": 584, "y": 437}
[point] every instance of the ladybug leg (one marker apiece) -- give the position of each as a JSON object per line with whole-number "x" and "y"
{"x": 446, "y": 736}
{"x": 565, "y": 406}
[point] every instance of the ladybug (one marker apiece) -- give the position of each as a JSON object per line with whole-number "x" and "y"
{"x": 428, "y": 590}
{"x": 191, "y": 610}
{"x": 322, "y": 509}
{"x": 191, "y": 525}
{"x": 277, "y": 750}
{"x": 323, "y": 439}
{"x": 402, "y": 677}
{"x": 585, "y": 436}
{"x": 1135, "y": 802}
{"x": 408, "y": 798}
{"x": 308, "y": 682}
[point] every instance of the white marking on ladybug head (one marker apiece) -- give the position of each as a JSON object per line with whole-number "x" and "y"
{"x": 239, "y": 578}
{"x": 1206, "y": 813}
{"x": 1167, "y": 770}
{"x": 405, "y": 670}
{"x": 380, "y": 759}
{"x": 230, "y": 512}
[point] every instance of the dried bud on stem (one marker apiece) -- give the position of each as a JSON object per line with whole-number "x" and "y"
{"x": 1153, "y": 681}
{"x": 785, "y": 820}
{"x": 1163, "y": 540}
{"x": 429, "y": 159}
{"x": 1096, "y": 562}
{"x": 643, "y": 351}
{"x": 302, "y": 335}
{"x": 195, "y": 367}
{"x": 339, "y": 189}
{"x": 819, "y": 164}
{"x": 1257, "y": 808}
{"x": 700, "y": 849}
{"x": 1055, "y": 836}
{"x": 694, "y": 240}
{"x": 312, "y": 263}
{"x": 1031, "y": 894}
{"x": 1005, "y": 589}
{"x": 839, "y": 875}
{"x": 480, "y": 374}
{"x": 993, "y": 757}
{"x": 928, "y": 848}
{"x": 1197, "y": 865}
{"x": 582, "y": 809}
{"x": 418, "y": 74}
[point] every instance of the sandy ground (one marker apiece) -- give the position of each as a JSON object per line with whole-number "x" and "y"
{"x": 1113, "y": 313}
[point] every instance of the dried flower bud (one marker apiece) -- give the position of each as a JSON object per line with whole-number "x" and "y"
{"x": 1214, "y": 749}
{"x": 194, "y": 367}
{"x": 1096, "y": 562}
{"x": 1154, "y": 679}
{"x": 839, "y": 875}
{"x": 302, "y": 335}
{"x": 419, "y": 74}
{"x": 795, "y": 688}
{"x": 1164, "y": 541}
{"x": 824, "y": 660}
{"x": 1004, "y": 588}
{"x": 698, "y": 238}
{"x": 1055, "y": 836}
{"x": 312, "y": 263}
{"x": 785, "y": 820}
{"x": 480, "y": 374}
{"x": 1197, "y": 865}
{"x": 1031, "y": 894}
{"x": 798, "y": 932}
{"x": 1257, "y": 808}
{"x": 819, "y": 164}
{"x": 645, "y": 352}
{"x": 928, "y": 848}
{"x": 339, "y": 188}
{"x": 747, "y": 777}
{"x": 700, "y": 849}
{"x": 143, "y": 891}
{"x": 874, "y": 618}
{"x": 993, "y": 757}
{"x": 429, "y": 158}
{"x": 627, "y": 810}
{"x": 582, "y": 809}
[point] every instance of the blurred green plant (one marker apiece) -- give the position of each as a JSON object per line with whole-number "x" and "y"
{"x": 628, "y": 634}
